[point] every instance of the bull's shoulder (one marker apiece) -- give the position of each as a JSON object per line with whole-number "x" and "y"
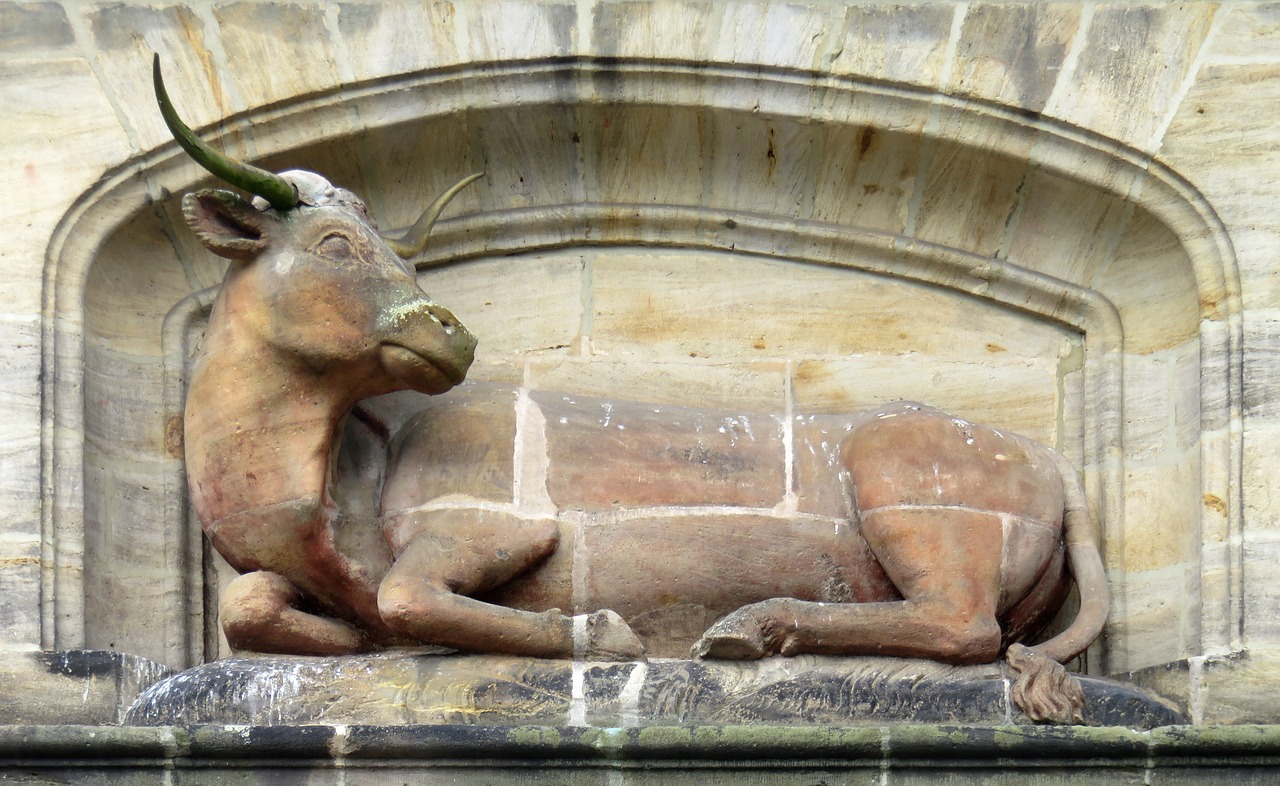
{"x": 461, "y": 443}
{"x": 909, "y": 454}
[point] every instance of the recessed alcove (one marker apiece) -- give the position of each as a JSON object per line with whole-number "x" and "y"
{"x": 771, "y": 241}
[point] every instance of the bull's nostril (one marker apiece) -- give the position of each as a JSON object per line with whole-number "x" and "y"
{"x": 445, "y": 316}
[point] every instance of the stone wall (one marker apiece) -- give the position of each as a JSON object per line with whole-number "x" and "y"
{"x": 1052, "y": 218}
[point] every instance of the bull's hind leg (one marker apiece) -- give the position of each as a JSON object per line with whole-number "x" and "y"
{"x": 259, "y": 612}
{"x": 946, "y": 563}
{"x": 443, "y": 557}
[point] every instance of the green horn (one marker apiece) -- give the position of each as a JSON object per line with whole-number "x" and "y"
{"x": 413, "y": 241}
{"x": 271, "y": 187}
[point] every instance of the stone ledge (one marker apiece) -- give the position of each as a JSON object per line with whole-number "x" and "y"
{"x": 1248, "y": 750}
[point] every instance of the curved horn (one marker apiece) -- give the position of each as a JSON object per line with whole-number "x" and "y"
{"x": 271, "y": 187}
{"x": 412, "y": 242}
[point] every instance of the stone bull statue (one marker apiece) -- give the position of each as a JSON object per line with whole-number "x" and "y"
{"x": 958, "y": 543}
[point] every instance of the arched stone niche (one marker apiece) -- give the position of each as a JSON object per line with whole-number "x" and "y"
{"x": 762, "y": 239}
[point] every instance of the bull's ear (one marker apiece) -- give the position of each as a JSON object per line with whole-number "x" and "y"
{"x": 227, "y": 224}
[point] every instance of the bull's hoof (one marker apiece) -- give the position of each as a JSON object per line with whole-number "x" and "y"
{"x": 1043, "y": 689}
{"x": 737, "y": 636}
{"x": 609, "y": 637}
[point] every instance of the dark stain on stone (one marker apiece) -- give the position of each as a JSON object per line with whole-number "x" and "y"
{"x": 865, "y": 139}
{"x": 771, "y": 154}
{"x": 716, "y": 461}
{"x": 80, "y": 663}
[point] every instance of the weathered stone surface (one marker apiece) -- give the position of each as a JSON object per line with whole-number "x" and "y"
{"x": 671, "y": 29}
{"x": 717, "y": 755}
{"x": 749, "y": 33}
{"x": 36, "y": 29}
{"x": 89, "y": 687}
{"x": 542, "y": 315}
{"x": 453, "y": 689}
{"x": 609, "y": 455}
{"x": 395, "y": 37}
{"x": 901, "y": 43}
{"x": 1155, "y": 291}
{"x": 1041, "y": 235}
{"x": 1153, "y": 619}
{"x": 462, "y": 445}
{"x": 964, "y": 199}
{"x": 722, "y": 564}
{"x": 1013, "y": 54}
{"x": 868, "y": 177}
{"x": 1026, "y": 389}
{"x": 276, "y": 33}
{"x": 754, "y": 386}
{"x": 1133, "y": 56}
{"x": 509, "y": 29}
{"x": 1163, "y": 504}
{"x": 1248, "y": 32}
{"x": 721, "y": 306}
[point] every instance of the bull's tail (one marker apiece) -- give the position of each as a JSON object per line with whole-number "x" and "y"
{"x": 1086, "y": 566}
{"x": 1042, "y": 688}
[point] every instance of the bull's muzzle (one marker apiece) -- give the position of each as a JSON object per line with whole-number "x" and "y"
{"x": 427, "y": 349}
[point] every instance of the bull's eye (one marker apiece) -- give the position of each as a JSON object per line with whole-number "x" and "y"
{"x": 334, "y": 246}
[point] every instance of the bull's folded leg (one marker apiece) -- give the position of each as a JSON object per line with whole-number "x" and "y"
{"x": 259, "y": 613}
{"x": 946, "y": 563}
{"x": 449, "y": 556}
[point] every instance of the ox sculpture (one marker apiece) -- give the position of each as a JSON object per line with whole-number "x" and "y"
{"x": 959, "y": 543}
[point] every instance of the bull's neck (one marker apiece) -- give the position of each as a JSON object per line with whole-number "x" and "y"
{"x": 260, "y": 429}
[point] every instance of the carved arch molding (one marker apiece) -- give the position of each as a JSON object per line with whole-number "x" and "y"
{"x": 747, "y": 172}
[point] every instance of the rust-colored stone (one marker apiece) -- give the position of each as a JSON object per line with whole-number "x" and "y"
{"x": 712, "y": 565}
{"x": 909, "y": 454}
{"x": 462, "y": 445}
{"x": 608, "y": 454}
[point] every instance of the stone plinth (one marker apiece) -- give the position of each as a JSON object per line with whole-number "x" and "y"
{"x": 398, "y": 689}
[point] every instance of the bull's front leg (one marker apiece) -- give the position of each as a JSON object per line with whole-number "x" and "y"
{"x": 445, "y": 557}
{"x": 259, "y": 613}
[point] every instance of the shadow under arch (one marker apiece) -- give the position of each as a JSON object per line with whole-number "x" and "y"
{"x": 761, "y": 162}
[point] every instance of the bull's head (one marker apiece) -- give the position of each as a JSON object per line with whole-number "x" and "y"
{"x": 312, "y": 279}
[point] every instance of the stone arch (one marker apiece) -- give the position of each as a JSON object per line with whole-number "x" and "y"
{"x": 1030, "y": 217}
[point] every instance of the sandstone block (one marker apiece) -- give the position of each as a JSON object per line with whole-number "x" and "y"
{"x": 542, "y": 315}
{"x": 1046, "y": 238}
{"x": 899, "y": 43}
{"x": 1153, "y": 287}
{"x": 1016, "y": 395}
{"x": 654, "y": 28}
{"x": 281, "y": 34}
{"x": 759, "y": 387}
{"x": 711, "y": 306}
{"x": 751, "y": 32}
{"x": 126, "y": 36}
{"x": 1012, "y": 54}
{"x": 607, "y": 455}
{"x": 397, "y": 37}
{"x": 1128, "y": 73}
{"x": 513, "y": 30}
{"x": 1162, "y": 513}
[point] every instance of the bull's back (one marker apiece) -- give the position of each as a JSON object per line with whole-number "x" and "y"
{"x": 908, "y": 454}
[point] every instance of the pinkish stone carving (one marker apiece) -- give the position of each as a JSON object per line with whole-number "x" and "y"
{"x": 958, "y": 542}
